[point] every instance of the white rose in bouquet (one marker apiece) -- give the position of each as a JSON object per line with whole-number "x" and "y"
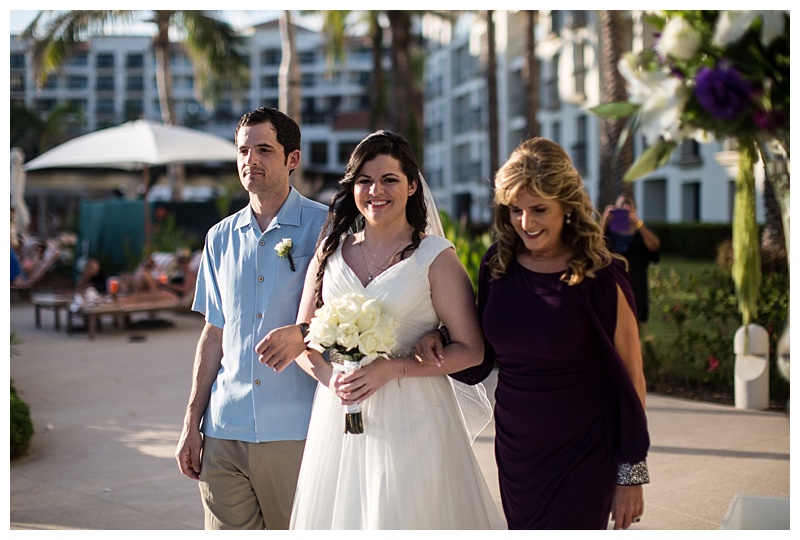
{"x": 370, "y": 313}
{"x": 348, "y": 307}
{"x": 323, "y": 329}
{"x": 347, "y": 336}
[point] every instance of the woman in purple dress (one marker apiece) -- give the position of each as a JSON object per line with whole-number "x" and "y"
{"x": 560, "y": 324}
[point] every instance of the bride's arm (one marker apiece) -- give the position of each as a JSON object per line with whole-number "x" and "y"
{"x": 454, "y": 302}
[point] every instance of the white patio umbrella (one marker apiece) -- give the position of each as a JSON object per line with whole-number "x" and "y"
{"x": 135, "y": 145}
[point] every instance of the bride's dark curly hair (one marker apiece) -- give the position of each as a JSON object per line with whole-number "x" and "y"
{"x": 343, "y": 214}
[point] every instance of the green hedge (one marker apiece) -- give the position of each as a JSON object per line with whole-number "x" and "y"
{"x": 691, "y": 240}
{"x": 20, "y": 424}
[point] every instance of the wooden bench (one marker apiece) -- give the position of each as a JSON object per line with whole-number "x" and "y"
{"x": 122, "y": 309}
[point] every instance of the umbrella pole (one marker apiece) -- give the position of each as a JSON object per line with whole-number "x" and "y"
{"x": 148, "y": 226}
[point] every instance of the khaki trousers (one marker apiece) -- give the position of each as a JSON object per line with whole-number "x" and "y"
{"x": 249, "y": 485}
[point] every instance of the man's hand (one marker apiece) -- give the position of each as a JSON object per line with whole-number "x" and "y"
{"x": 281, "y": 347}
{"x": 188, "y": 452}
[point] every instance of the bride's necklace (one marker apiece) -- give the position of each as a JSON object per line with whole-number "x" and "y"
{"x": 379, "y": 267}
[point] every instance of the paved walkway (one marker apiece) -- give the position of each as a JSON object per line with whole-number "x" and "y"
{"x": 108, "y": 413}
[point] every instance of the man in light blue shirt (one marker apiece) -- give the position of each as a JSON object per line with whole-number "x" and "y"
{"x": 253, "y": 416}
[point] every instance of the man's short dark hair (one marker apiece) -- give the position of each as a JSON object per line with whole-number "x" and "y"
{"x": 286, "y": 129}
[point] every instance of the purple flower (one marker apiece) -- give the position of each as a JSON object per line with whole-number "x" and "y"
{"x": 768, "y": 121}
{"x": 723, "y": 92}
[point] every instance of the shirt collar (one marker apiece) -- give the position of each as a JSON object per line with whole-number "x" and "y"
{"x": 289, "y": 214}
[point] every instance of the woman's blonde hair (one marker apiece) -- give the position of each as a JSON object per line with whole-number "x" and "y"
{"x": 543, "y": 169}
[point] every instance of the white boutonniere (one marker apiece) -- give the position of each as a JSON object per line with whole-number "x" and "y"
{"x": 284, "y": 249}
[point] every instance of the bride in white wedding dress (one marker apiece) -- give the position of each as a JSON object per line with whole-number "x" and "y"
{"x": 413, "y": 467}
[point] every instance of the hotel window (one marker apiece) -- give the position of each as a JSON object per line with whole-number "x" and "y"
{"x": 17, "y": 83}
{"x": 105, "y": 106}
{"x": 550, "y": 97}
{"x": 319, "y": 153}
{"x": 105, "y": 83}
{"x": 580, "y": 69}
{"x": 77, "y": 82}
{"x": 134, "y": 61}
{"x": 80, "y": 59}
{"x": 135, "y": 83}
{"x": 579, "y": 155}
{"x": 271, "y": 57}
{"x": 104, "y": 60}
{"x": 17, "y": 61}
{"x": 306, "y": 57}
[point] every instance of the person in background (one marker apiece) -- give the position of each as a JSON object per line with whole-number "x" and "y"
{"x": 245, "y": 424}
{"x": 559, "y": 322}
{"x": 628, "y": 235}
{"x": 183, "y": 281}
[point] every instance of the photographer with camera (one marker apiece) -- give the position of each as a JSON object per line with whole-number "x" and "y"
{"x": 628, "y": 235}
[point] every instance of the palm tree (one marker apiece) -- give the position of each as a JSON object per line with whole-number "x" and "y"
{"x": 213, "y": 46}
{"x": 289, "y": 100}
{"x": 379, "y": 105}
{"x": 404, "y": 117}
{"x": 35, "y": 134}
{"x": 334, "y": 27}
{"x": 615, "y": 158}
{"x": 491, "y": 91}
{"x": 530, "y": 76}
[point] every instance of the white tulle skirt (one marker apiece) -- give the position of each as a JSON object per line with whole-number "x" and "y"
{"x": 412, "y": 468}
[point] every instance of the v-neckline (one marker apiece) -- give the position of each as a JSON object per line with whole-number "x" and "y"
{"x": 376, "y": 278}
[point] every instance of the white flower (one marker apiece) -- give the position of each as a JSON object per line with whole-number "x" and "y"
{"x": 322, "y": 331}
{"x": 732, "y": 25}
{"x": 353, "y": 323}
{"x": 381, "y": 339}
{"x": 284, "y": 247}
{"x": 661, "y": 96}
{"x": 347, "y": 336}
{"x": 679, "y": 39}
{"x": 348, "y": 307}
{"x": 370, "y": 313}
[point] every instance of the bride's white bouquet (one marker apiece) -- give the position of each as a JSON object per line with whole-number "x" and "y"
{"x": 352, "y": 328}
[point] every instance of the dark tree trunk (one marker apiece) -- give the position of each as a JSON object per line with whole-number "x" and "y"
{"x": 530, "y": 76}
{"x": 613, "y": 165}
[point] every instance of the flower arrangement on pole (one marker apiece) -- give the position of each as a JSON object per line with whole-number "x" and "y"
{"x": 355, "y": 331}
{"x": 716, "y": 75}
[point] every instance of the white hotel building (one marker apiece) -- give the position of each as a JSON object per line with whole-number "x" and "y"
{"x": 113, "y": 80}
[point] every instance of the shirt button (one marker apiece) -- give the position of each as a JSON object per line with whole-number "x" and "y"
{"x": 260, "y": 278}
{"x": 258, "y": 382}
{"x": 261, "y": 243}
{"x": 258, "y": 316}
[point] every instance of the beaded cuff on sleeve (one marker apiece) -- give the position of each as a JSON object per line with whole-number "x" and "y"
{"x": 632, "y": 474}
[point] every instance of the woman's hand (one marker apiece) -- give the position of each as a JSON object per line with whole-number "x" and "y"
{"x": 430, "y": 349}
{"x": 628, "y": 506}
{"x": 360, "y": 384}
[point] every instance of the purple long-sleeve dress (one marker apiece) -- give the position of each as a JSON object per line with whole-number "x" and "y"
{"x": 566, "y": 411}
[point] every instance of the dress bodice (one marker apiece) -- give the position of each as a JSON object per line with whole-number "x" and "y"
{"x": 403, "y": 290}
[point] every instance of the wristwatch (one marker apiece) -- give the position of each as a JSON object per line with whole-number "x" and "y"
{"x": 303, "y": 329}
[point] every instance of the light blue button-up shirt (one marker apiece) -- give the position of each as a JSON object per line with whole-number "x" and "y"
{"x": 244, "y": 288}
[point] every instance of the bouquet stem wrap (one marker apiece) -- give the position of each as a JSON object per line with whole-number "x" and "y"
{"x": 353, "y": 421}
